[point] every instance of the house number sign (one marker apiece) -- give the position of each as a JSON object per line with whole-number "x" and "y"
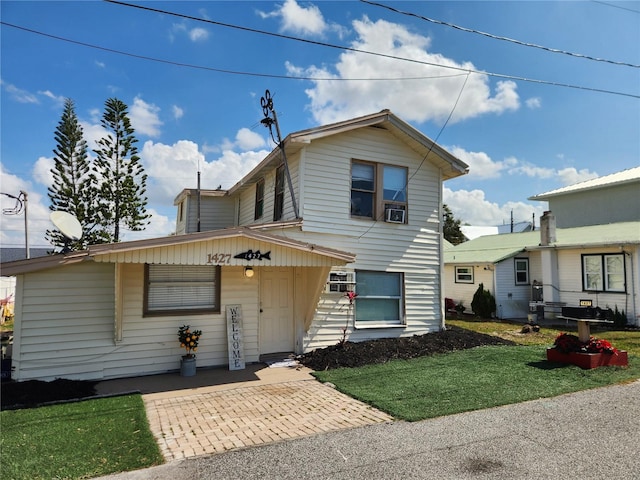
{"x": 219, "y": 258}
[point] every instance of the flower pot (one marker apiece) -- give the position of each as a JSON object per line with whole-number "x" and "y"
{"x": 188, "y": 366}
{"x": 588, "y": 360}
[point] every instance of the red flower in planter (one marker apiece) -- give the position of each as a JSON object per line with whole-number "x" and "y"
{"x": 568, "y": 343}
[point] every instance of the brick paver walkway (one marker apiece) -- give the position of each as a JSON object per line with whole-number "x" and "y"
{"x": 214, "y": 422}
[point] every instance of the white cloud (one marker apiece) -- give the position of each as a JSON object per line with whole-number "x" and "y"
{"x": 58, "y": 99}
{"x": 198, "y": 34}
{"x": 430, "y": 96}
{"x": 42, "y": 171}
{"x": 297, "y": 19}
{"x": 472, "y": 207}
{"x": 18, "y": 94}
{"x": 249, "y": 140}
{"x": 174, "y": 167}
{"x": 144, "y": 118}
{"x": 570, "y": 175}
{"x": 100, "y": 64}
{"x": 534, "y": 102}
{"x": 160, "y": 225}
{"x": 480, "y": 164}
{"x": 178, "y": 112}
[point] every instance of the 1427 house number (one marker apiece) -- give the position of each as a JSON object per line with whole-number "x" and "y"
{"x": 219, "y": 258}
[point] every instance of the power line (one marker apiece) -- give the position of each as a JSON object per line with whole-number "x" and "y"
{"x": 497, "y": 37}
{"x": 464, "y": 71}
{"x": 607, "y": 4}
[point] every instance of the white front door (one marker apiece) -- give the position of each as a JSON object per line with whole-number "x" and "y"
{"x": 276, "y": 307}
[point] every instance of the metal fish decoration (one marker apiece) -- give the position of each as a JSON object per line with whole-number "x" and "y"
{"x": 251, "y": 255}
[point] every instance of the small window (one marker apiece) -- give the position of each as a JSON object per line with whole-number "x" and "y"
{"x": 603, "y": 273}
{"x": 363, "y": 189}
{"x": 278, "y": 204}
{"x": 181, "y": 289}
{"x": 522, "y": 271}
{"x": 259, "y": 207}
{"x": 464, "y": 274}
{"x": 380, "y": 298}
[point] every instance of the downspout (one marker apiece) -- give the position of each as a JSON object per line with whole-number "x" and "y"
{"x": 633, "y": 290}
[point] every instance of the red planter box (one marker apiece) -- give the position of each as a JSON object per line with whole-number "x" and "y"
{"x": 588, "y": 360}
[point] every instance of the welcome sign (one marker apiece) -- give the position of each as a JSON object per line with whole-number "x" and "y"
{"x": 234, "y": 337}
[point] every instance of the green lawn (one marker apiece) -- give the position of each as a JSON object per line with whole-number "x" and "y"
{"x": 473, "y": 379}
{"x": 77, "y": 440}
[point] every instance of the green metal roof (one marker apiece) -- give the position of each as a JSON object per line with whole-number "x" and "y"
{"x": 495, "y": 248}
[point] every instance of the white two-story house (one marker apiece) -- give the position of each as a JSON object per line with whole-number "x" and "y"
{"x": 351, "y": 209}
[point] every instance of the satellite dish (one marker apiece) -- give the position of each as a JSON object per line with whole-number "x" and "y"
{"x": 68, "y": 225}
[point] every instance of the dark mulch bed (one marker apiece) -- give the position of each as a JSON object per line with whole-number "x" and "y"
{"x": 352, "y": 354}
{"x": 34, "y": 392}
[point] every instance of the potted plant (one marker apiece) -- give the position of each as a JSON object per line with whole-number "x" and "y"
{"x": 189, "y": 341}
{"x": 595, "y": 352}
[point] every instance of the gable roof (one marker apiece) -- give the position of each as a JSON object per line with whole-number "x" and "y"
{"x": 450, "y": 165}
{"x": 630, "y": 175}
{"x": 496, "y": 248}
{"x": 138, "y": 251}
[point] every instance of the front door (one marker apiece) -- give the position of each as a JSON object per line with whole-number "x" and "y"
{"x": 276, "y": 307}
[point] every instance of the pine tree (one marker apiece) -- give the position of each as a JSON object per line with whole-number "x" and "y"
{"x": 451, "y": 228}
{"x": 72, "y": 190}
{"x": 120, "y": 175}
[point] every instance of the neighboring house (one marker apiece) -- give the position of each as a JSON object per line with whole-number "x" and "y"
{"x": 563, "y": 263}
{"x": 366, "y": 218}
{"x": 8, "y": 284}
{"x": 474, "y": 231}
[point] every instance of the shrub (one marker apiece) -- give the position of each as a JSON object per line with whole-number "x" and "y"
{"x": 483, "y": 303}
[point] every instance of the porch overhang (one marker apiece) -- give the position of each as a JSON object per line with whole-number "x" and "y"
{"x": 238, "y": 246}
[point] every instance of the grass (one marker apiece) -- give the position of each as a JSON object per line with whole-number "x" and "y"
{"x": 473, "y": 379}
{"x": 628, "y": 340}
{"x": 77, "y": 440}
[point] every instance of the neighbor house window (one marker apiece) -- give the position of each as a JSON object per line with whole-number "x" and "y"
{"x": 259, "y": 207}
{"x": 522, "y": 271}
{"x": 603, "y": 273}
{"x": 181, "y": 289}
{"x": 377, "y": 189}
{"x": 380, "y": 299}
{"x": 278, "y": 204}
{"x": 464, "y": 274}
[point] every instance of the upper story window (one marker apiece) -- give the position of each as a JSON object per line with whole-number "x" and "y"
{"x": 181, "y": 289}
{"x": 522, "y": 271}
{"x": 603, "y": 273}
{"x": 259, "y": 207}
{"x": 278, "y": 203}
{"x": 378, "y": 191}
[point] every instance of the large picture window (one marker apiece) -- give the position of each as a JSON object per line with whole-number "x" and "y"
{"x": 378, "y": 188}
{"x": 603, "y": 273}
{"x": 521, "y": 266}
{"x": 180, "y": 289}
{"x": 464, "y": 274}
{"x": 380, "y": 298}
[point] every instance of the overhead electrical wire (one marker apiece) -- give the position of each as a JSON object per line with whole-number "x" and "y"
{"x": 464, "y": 71}
{"x": 351, "y": 49}
{"x": 497, "y": 37}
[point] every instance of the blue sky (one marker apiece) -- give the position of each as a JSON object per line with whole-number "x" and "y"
{"x": 521, "y": 132}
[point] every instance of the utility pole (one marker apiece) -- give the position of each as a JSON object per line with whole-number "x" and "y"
{"x": 270, "y": 119}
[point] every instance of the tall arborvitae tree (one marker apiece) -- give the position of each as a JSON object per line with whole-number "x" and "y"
{"x": 119, "y": 174}
{"x": 72, "y": 190}
{"x": 451, "y": 227}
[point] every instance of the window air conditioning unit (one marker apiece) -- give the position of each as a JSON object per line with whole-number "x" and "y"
{"x": 394, "y": 215}
{"x": 340, "y": 282}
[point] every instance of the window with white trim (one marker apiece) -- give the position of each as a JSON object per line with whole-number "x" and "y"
{"x": 521, "y": 266}
{"x": 278, "y": 201}
{"x": 603, "y": 272}
{"x": 181, "y": 289}
{"x": 464, "y": 274}
{"x": 377, "y": 188}
{"x": 380, "y": 299}
{"x": 259, "y": 203}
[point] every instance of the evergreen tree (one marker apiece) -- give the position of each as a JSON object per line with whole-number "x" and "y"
{"x": 72, "y": 190}
{"x": 451, "y": 227}
{"x": 120, "y": 175}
